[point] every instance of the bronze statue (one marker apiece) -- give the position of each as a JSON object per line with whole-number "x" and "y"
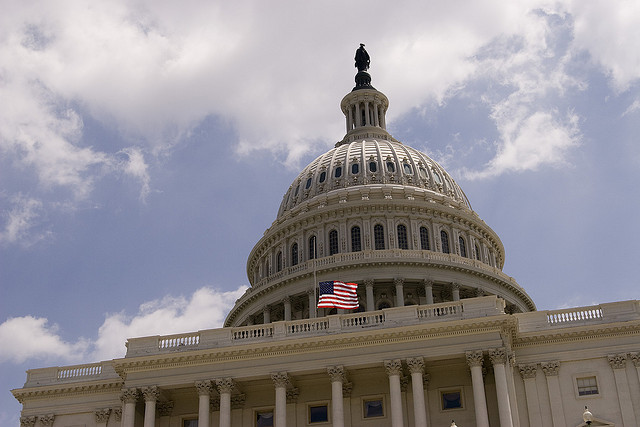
{"x": 362, "y": 58}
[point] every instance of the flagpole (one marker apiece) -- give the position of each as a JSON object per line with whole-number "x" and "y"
{"x": 315, "y": 287}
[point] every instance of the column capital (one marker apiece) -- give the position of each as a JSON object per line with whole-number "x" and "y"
{"x": 214, "y": 404}
{"x": 292, "y": 394}
{"x": 368, "y": 282}
{"x": 46, "y": 420}
{"x": 27, "y": 421}
{"x": 393, "y": 367}
{"x": 266, "y": 307}
{"x": 286, "y": 300}
{"x": 280, "y": 379}
{"x": 528, "y": 371}
{"x": 102, "y": 415}
{"x": 427, "y": 282}
{"x": 117, "y": 414}
{"x": 347, "y": 388}
{"x": 224, "y": 385}
{"x": 398, "y": 281}
{"x": 635, "y": 359}
{"x": 455, "y": 286}
{"x": 416, "y": 365}
{"x": 150, "y": 393}
{"x": 617, "y": 361}
{"x": 204, "y": 387}
{"x": 129, "y": 395}
{"x": 238, "y": 400}
{"x": 336, "y": 373}
{"x": 165, "y": 408}
{"x": 550, "y": 369}
{"x": 498, "y": 356}
{"x": 474, "y": 358}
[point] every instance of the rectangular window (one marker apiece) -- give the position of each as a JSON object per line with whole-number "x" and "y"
{"x": 318, "y": 414}
{"x": 587, "y": 386}
{"x": 451, "y": 399}
{"x": 373, "y": 408}
{"x": 190, "y": 423}
{"x": 264, "y": 418}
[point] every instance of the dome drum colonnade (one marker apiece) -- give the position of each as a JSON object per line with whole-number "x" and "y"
{"x": 377, "y": 212}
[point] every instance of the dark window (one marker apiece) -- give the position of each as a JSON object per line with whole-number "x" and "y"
{"x": 378, "y": 236}
{"x": 391, "y": 167}
{"x": 355, "y": 168}
{"x": 383, "y": 305}
{"x": 373, "y": 408}
{"x": 424, "y": 239}
{"x": 279, "y": 261}
{"x": 264, "y": 419}
{"x": 323, "y": 176}
{"x": 407, "y": 169}
{"x": 338, "y": 172}
{"x": 333, "y": 242}
{"x": 477, "y": 252}
{"x": 436, "y": 177}
{"x": 356, "y": 241}
{"x": 402, "y": 237}
{"x": 463, "y": 247}
{"x": 296, "y": 193}
{"x": 318, "y": 414}
{"x": 189, "y": 423}
{"x": 451, "y": 400}
{"x": 294, "y": 254}
{"x": 444, "y": 237}
{"x": 423, "y": 173}
{"x": 373, "y": 166}
{"x": 312, "y": 247}
{"x": 308, "y": 184}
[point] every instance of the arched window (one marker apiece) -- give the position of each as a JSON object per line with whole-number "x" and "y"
{"x": 378, "y": 237}
{"x": 338, "y": 172}
{"x": 266, "y": 268}
{"x": 333, "y": 242}
{"x": 373, "y": 166}
{"x": 402, "y": 237}
{"x": 477, "y": 252}
{"x": 391, "y": 167}
{"x": 355, "y": 168}
{"x": 444, "y": 237}
{"x": 424, "y": 239}
{"x": 279, "y": 261}
{"x": 463, "y": 247}
{"x": 323, "y": 176}
{"x": 356, "y": 241}
{"x": 294, "y": 254}
{"x": 308, "y": 184}
{"x": 312, "y": 247}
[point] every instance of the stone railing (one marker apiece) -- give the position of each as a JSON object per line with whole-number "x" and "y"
{"x": 340, "y": 323}
{"x": 69, "y": 374}
{"x": 579, "y": 316}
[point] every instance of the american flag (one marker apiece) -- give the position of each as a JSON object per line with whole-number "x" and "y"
{"x": 338, "y": 294}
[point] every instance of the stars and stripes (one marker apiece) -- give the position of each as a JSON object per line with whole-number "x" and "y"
{"x": 338, "y": 294}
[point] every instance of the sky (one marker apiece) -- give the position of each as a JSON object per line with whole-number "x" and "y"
{"x": 145, "y": 146}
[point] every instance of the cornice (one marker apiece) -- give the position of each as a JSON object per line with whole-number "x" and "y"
{"x": 582, "y": 333}
{"x": 316, "y": 344}
{"x": 67, "y": 390}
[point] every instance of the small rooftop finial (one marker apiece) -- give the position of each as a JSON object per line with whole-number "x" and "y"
{"x": 363, "y": 79}
{"x": 362, "y": 58}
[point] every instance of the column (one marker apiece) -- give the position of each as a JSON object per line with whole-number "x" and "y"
{"x": 371, "y": 304}
{"x": 499, "y": 359}
{"x": 336, "y": 373}
{"x": 117, "y": 414}
{"x": 367, "y": 118}
{"x": 129, "y": 396}
{"x": 376, "y": 120}
{"x": 550, "y": 370}
{"x": 394, "y": 369}
{"x": 618, "y": 363}
{"x": 102, "y": 416}
{"x": 204, "y": 397}
{"x": 635, "y": 358}
{"x": 266, "y": 314}
{"x": 225, "y": 385}
{"x": 455, "y": 291}
{"x": 312, "y": 303}
{"x": 164, "y": 411}
{"x": 280, "y": 381}
{"x": 399, "y": 282}
{"x": 474, "y": 360}
{"x": 528, "y": 373}
{"x": 287, "y": 308}
{"x": 513, "y": 400}
{"x": 151, "y": 395}
{"x": 416, "y": 367}
{"x": 428, "y": 291}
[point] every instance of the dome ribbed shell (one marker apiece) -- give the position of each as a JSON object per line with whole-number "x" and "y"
{"x": 370, "y": 161}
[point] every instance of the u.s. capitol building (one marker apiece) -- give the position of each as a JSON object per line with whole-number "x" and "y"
{"x": 441, "y": 334}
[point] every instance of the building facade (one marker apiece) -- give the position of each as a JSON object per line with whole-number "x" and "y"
{"x": 441, "y": 334}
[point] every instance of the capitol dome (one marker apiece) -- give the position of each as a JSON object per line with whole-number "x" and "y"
{"x": 378, "y": 213}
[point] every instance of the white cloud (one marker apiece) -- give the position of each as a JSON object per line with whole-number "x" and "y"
{"x": 20, "y": 220}
{"x": 29, "y": 337}
{"x": 136, "y": 167}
